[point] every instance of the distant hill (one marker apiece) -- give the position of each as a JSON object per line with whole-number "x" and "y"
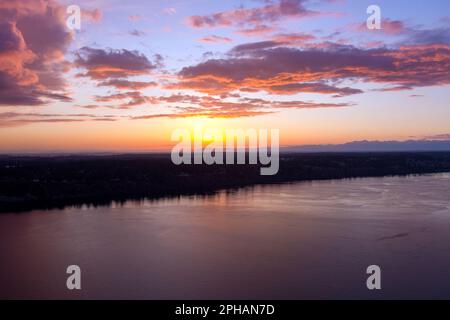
{"x": 375, "y": 146}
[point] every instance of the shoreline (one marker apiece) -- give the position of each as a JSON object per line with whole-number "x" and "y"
{"x": 32, "y": 183}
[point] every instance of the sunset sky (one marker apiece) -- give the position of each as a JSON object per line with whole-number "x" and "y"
{"x": 137, "y": 70}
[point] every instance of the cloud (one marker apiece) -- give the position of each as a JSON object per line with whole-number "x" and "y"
{"x": 170, "y": 11}
{"x": 14, "y": 119}
{"x": 227, "y": 115}
{"x": 123, "y": 84}
{"x": 105, "y": 64}
{"x": 137, "y": 33}
{"x": 215, "y": 39}
{"x": 293, "y": 88}
{"x": 272, "y": 12}
{"x": 256, "y": 30}
{"x": 297, "y": 39}
{"x": 394, "y": 88}
{"x": 228, "y": 105}
{"x": 32, "y": 62}
{"x": 445, "y": 136}
{"x": 265, "y": 66}
{"x": 246, "y": 47}
{"x": 278, "y": 40}
{"x": 133, "y": 98}
{"x": 430, "y": 36}
{"x": 183, "y": 106}
{"x": 91, "y": 15}
{"x": 134, "y": 18}
{"x": 393, "y": 26}
{"x": 114, "y": 68}
{"x": 158, "y": 60}
{"x": 293, "y": 38}
{"x": 388, "y": 26}
{"x": 411, "y": 34}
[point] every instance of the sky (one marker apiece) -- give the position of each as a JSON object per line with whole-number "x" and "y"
{"x": 137, "y": 70}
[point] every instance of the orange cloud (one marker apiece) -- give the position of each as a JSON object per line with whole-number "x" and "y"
{"x": 207, "y": 106}
{"x": 215, "y": 39}
{"x": 91, "y": 15}
{"x": 265, "y": 66}
{"x": 14, "y": 119}
{"x": 256, "y": 30}
{"x": 32, "y": 62}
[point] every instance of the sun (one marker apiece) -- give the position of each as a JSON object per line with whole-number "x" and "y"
{"x": 203, "y": 128}
{"x": 203, "y": 122}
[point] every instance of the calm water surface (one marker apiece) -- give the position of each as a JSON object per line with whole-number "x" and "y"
{"x": 292, "y": 241}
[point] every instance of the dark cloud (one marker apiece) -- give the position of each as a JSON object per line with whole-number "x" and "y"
{"x": 131, "y": 98}
{"x": 293, "y": 88}
{"x": 33, "y": 41}
{"x": 137, "y": 33}
{"x": 430, "y": 36}
{"x": 242, "y": 48}
{"x": 261, "y": 66}
{"x": 105, "y": 64}
{"x": 12, "y": 94}
{"x": 158, "y": 60}
{"x": 278, "y": 40}
{"x": 123, "y": 84}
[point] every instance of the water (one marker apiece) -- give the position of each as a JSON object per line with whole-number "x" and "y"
{"x": 292, "y": 241}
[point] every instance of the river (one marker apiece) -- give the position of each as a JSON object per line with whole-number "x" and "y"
{"x": 302, "y": 240}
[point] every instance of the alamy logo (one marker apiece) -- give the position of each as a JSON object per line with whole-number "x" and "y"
{"x": 73, "y": 21}
{"x": 74, "y": 280}
{"x": 374, "y": 20}
{"x": 374, "y": 280}
{"x": 214, "y": 146}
